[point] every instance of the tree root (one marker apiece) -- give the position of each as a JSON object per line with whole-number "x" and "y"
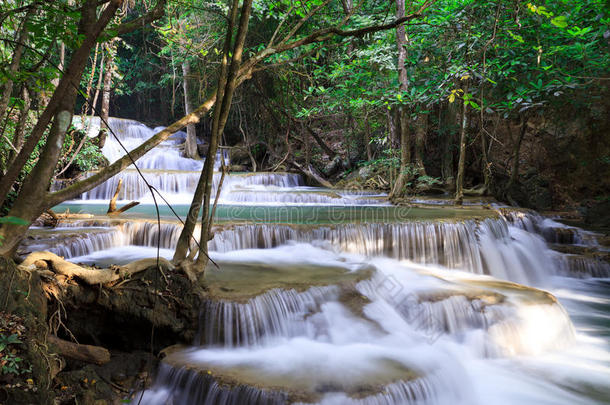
{"x": 88, "y": 275}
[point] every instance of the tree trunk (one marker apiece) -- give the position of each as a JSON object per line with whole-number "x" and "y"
{"x": 19, "y": 136}
{"x": 7, "y": 89}
{"x": 405, "y": 144}
{"x": 486, "y": 165}
{"x": 367, "y": 137}
{"x": 420, "y": 140}
{"x": 190, "y": 145}
{"x": 29, "y": 203}
{"x": 399, "y": 188}
{"x": 105, "y": 108}
{"x": 220, "y": 119}
{"x": 450, "y": 120}
{"x": 459, "y": 187}
{"x": 204, "y": 185}
{"x": 514, "y": 174}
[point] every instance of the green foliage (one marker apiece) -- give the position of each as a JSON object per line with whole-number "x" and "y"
{"x": 88, "y": 157}
{"x": 11, "y": 363}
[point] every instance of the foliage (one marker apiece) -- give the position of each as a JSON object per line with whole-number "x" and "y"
{"x": 11, "y": 346}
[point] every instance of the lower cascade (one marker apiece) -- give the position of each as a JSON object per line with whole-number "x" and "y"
{"x": 337, "y": 297}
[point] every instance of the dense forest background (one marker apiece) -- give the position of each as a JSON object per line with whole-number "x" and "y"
{"x": 506, "y": 98}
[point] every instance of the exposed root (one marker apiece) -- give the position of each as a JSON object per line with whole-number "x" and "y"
{"x": 88, "y": 275}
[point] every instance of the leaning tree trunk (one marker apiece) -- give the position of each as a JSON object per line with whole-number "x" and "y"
{"x": 184, "y": 241}
{"x": 190, "y": 145}
{"x": 217, "y": 129}
{"x": 459, "y": 187}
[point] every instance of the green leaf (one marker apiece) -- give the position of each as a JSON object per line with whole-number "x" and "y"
{"x": 13, "y": 221}
{"x": 560, "y": 21}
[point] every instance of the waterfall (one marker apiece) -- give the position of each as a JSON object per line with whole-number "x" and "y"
{"x": 275, "y": 313}
{"x": 491, "y": 246}
{"x": 338, "y": 297}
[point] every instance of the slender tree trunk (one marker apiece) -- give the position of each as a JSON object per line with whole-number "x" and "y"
{"x": 19, "y": 136}
{"x": 459, "y": 187}
{"x": 514, "y": 174}
{"x": 486, "y": 165}
{"x": 184, "y": 240}
{"x": 405, "y": 156}
{"x": 190, "y": 145}
{"x": 450, "y": 121}
{"x": 367, "y": 137}
{"x": 7, "y": 89}
{"x": 405, "y": 142}
{"x": 217, "y": 130}
{"x": 87, "y": 105}
{"x": 393, "y": 129}
{"x": 105, "y": 109}
{"x": 100, "y": 83}
{"x": 420, "y": 140}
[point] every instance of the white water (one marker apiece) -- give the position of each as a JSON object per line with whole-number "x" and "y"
{"x": 436, "y": 317}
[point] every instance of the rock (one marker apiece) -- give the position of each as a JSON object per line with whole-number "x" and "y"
{"x": 334, "y": 166}
{"x": 238, "y": 168}
{"x": 361, "y": 174}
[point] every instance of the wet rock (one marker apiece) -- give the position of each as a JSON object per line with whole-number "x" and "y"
{"x": 361, "y": 174}
{"x": 334, "y": 166}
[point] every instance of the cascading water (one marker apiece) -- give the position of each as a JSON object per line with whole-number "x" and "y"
{"x": 336, "y": 297}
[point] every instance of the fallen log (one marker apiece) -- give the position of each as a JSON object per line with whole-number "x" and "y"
{"x": 311, "y": 173}
{"x": 90, "y": 275}
{"x": 87, "y": 353}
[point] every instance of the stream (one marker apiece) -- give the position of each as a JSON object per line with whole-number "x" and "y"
{"x": 337, "y": 297}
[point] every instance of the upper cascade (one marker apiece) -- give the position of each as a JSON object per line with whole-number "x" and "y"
{"x": 176, "y": 176}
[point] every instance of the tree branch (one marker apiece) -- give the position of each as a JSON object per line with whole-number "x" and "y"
{"x": 157, "y": 12}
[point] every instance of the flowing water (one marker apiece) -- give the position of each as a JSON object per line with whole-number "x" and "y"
{"x": 337, "y": 297}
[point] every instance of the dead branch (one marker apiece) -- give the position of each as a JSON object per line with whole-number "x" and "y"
{"x": 112, "y": 210}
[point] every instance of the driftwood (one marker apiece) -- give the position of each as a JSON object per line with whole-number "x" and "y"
{"x": 90, "y": 275}
{"x": 112, "y": 210}
{"x": 311, "y": 173}
{"x": 87, "y": 353}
